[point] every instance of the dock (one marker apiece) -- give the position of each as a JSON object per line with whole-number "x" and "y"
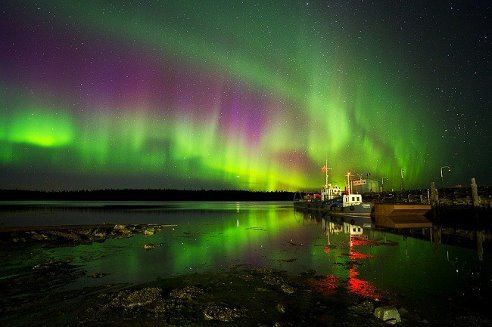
{"x": 401, "y": 221}
{"x": 401, "y": 215}
{"x": 401, "y": 209}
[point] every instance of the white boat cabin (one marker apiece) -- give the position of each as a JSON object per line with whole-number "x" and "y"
{"x": 352, "y": 199}
{"x": 329, "y": 192}
{"x": 352, "y": 230}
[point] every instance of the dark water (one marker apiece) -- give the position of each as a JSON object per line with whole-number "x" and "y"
{"x": 418, "y": 271}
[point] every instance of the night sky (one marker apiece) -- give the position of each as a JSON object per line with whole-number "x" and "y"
{"x": 243, "y": 94}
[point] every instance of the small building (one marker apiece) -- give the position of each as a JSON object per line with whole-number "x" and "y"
{"x": 365, "y": 185}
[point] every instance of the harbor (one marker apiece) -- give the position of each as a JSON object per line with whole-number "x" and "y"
{"x": 404, "y": 209}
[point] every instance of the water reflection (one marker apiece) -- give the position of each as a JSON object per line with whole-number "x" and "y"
{"x": 441, "y": 267}
{"x": 351, "y": 235}
{"x": 471, "y": 238}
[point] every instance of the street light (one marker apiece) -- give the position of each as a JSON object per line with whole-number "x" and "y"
{"x": 442, "y": 178}
{"x": 401, "y": 174}
{"x": 382, "y": 183}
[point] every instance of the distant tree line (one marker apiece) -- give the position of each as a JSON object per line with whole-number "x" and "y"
{"x": 146, "y": 195}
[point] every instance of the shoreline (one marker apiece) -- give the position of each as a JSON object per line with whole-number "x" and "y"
{"x": 237, "y": 295}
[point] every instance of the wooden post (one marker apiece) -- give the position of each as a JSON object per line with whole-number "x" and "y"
{"x": 474, "y": 187}
{"x": 434, "y": 195}
{"x": 480, "y": 239}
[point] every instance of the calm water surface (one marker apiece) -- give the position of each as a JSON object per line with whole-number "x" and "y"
{"x": 214, "y": 236}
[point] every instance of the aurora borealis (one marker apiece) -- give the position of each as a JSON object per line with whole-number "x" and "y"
{"x": 242, "y": 95}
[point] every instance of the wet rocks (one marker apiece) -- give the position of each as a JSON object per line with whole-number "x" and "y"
{"x": 38, "y": 237}
{"x": 27, "y": 288}
{"x": 249, "y": 297}
{"x": 279, "y": 282}
{"x": 223, "y": 313}
{"x": 287, "y": 289}
{"x": 99, "y": 234}
{"x": 388, "y": 314}
{"x": 149, "y": 231}
{"x": 136, "y": 299}
{"x": 280, "y": 307}
{"x": 122, "y": 230}
{"x": 150, "y": 246}
{"x": 67, "y": 236}
{"x": 188, "y": 293}
{"x": 98, "y": 275}
{"x": 73, "y": 235}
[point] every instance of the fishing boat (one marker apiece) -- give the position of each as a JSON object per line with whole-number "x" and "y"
{"x": 333, "y": 200}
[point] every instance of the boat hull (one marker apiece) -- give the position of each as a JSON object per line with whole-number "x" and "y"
{"x": 362, "y": 209}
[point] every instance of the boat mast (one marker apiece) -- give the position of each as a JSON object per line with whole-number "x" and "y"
{"x": 349, "y": 187}
{"x": 326, "y": 172}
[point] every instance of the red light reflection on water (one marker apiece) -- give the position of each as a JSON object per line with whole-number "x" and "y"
{"x": 361, "y": 287}
{"x": 358, "y": 241}
{"x": 354, "y": 255}
{"x": 329, "y": 284}
{"x": 354, "y": 284}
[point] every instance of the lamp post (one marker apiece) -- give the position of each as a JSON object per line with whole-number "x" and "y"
{"x": 382, "y": 183}
{"x": 401, "y": 174}
{"x": 442, "y": 177}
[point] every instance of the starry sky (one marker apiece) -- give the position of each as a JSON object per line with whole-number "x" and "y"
{"x": 252, "y": 95}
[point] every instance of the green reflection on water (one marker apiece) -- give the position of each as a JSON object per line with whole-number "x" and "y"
{"x": 214, "y": 237}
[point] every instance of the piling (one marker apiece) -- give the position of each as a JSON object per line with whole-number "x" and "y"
{"x": 434, "y": 199}
{"x": 474, "y": 188}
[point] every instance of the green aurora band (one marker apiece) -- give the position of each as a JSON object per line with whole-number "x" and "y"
{"x": 254, "y": 99}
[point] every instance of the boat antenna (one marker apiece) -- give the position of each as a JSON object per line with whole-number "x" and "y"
{"x": 326, "y": 172}
{"x": 349, "y": 186}
{"x": 325, "y": 168}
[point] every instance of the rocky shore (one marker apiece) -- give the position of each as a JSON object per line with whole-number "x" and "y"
{"x": 236, "y": 296}
{"x": 74, "y": 234}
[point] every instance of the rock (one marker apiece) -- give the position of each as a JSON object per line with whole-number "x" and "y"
{"x": 137, "y": 299}
{"x": 222, "y": 313}
{"x": 39, "y": 237}
{"x": 149, "y": 246}
{"x": 272, "y": 280}
{"x": 287, "y": 289}
{"x": 120, "y": 229}
{"x": 65, "y": 235}
{"x": 84, "y": 231}
{"x": 98, "y": 275}
{"x": 149, "y": 231}
{"x": 246, "y": 277}
{"x": 188, "y": 293}
{"x": 99, "y": 233}
{"x": 388, "y": 314}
